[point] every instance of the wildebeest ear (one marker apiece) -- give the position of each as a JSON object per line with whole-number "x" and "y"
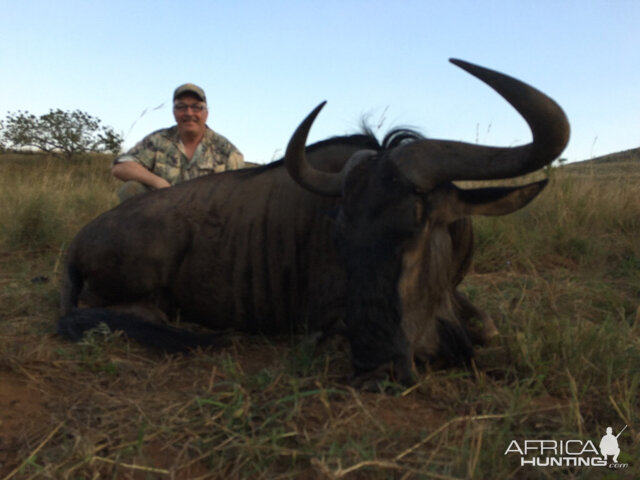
{"x": 497, "y": 200}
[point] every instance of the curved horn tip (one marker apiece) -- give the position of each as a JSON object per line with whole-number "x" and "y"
{"x": 300, "y": 135}
{"x": 314, "y": 113}
{"x": 469, "y": 67}
{"x": 301, "y": 170}
{"x": 305, "y": 125}
{"x": 458, "y": 62}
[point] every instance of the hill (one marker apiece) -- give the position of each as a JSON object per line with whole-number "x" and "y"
{"x": 619, "y": 165}
{"x": 623, "y": 156}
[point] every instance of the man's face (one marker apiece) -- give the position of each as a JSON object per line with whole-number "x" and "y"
{"x": 191, "y": 119}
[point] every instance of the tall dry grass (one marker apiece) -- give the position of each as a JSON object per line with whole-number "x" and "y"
{"x": 561, "y": 278}
{"x": 46, "y": 199}
{"x": 582, "y": 217}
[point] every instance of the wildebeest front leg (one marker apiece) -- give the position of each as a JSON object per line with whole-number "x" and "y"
{"x": 377, "y": 357}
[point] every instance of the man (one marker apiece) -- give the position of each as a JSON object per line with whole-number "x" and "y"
{"x": 187, "y": 150}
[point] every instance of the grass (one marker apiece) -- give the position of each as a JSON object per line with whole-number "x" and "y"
{"x": 561, "y": 278}
{"x": 46, "y": 199}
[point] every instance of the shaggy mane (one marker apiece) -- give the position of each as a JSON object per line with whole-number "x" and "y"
{"x": 366, "y": 139}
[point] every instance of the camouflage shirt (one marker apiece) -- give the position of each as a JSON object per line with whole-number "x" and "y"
{"x": 162, "y": 153}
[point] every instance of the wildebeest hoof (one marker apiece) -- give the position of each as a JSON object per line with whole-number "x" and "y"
{"x": 383, "y": 379}
{"x": 374, "y": 381}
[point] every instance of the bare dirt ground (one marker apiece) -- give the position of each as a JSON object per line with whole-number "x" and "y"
{"x": 111, "y": 409}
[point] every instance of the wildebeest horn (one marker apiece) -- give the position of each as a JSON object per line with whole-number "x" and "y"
{"x": 430, "y": 162}
{"x": 317, "y": 181}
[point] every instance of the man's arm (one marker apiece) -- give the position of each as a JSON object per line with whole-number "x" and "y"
{"x": 134, "y": 171}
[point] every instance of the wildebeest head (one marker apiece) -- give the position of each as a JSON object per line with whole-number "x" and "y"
{"x": 402, "y": 229}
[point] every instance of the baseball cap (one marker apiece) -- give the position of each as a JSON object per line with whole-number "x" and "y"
{"x": 190, "y": 88}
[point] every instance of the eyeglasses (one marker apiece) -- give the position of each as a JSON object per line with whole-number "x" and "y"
{"x": 183, "y": 107}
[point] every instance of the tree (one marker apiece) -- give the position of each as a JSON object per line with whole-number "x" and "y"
{"x": 58, "y": 133}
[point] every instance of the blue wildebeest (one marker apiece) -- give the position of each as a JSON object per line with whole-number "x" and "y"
{"x": 345, "y": 235}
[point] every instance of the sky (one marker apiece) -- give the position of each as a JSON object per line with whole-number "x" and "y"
{"x": 265, "y": 64}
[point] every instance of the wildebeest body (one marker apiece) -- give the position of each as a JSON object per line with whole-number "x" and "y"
{"x": 232, "y": 250}
{"x": 372, "y": 240}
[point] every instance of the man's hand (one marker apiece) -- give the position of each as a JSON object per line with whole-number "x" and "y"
{"x": 134, "y": 171}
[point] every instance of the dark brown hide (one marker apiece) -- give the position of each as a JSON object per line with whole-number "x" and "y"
{"x": 226, "y": 251}
{"x": 380, "y": 253}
